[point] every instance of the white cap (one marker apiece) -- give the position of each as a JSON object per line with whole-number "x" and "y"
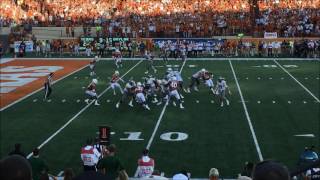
{"x": 95, "y": 81}
{"x": 213, "y": 172}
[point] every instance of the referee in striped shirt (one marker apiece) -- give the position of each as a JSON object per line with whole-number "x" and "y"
{"x": 47, "y": 87}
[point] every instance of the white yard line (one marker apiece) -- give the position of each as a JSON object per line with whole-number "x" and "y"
{"x": 24, "y": 97}
{"x": 158, "y": 123}
{"x": 247, "y": 115}
{"x": 80, "y": 112}
{"x": 306, "y": 89}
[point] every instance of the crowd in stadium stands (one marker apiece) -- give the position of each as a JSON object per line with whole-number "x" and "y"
{"x": 167, "y": 18}
{"x": 102, "y": 163}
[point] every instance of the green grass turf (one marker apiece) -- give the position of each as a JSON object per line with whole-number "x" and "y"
{"x": 218, "y": 137}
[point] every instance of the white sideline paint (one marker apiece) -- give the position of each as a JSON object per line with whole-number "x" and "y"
{"x": 306, "y": 89}
{"x": 158, "y": 122}
{"x": 81, "y": 111}
{"x": 24, "y": 97}
{"x": 247, "y": 115}
{"x": 305, "y": 135}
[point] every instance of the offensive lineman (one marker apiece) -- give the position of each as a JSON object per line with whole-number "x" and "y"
{"x": 140, "y": 98}
{"x": 129, "y": 91}
{"x": 195, "y": 80}
{"x": 91, "y": 92}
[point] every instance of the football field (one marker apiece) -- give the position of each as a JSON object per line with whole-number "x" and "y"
{"x": 273, "y": 114}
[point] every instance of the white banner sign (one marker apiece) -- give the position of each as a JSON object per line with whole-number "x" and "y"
{"x": 29, "y": 46}
{"x": 270, "y": 35}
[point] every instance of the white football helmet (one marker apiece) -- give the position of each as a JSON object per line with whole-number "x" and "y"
{"x": 173, "y": 78}
{"x": 95, "y": 81}
{"x": 203, "y": 70}
{"x": 96, "y": 57}
{"x": 117, "y": 72}
{"x": 139, "y": 84}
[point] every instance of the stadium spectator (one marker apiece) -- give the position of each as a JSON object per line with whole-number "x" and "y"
{"x": 89, "y": 156}
{"x": 145, "y": 164}
{"x": 268, "y": 170}
{"x": 213, "y": 174}
{"x": 17, "y": 150}
{"x": 1, "y": 50}
{"x": 15, "y": 167}
{"x": 38, "y": 165}
{"x": 111, "y": 166}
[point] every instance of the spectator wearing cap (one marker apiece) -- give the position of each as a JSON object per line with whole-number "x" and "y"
{"x": 15, "y": 167}
{"x": 111, "y": 166}
{"x": 38, "y": 165}
{"x": 270, "y": 170}
{"x": 213, "y": 174}
{"x": 145, "y": 164}
{"x": 17, "y": 150}
{"x": 89, "y": 156}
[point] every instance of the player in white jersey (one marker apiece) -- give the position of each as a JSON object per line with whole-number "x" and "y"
{"x": 195, "y": 80}
{"x": 129, "y": 92}
{"x": 114, "y": 82}
{"x": 163, "y": 90}
{"x": 140, "y": 97}
{"x": 92, "y": 66}
{"x": 178, "y": 76}
{"x": 117, "y": 57}
{"x": 149, "y": 58}
{"x": 222, "y": 87}
{"x": 150, "y": 86}
{"x": 91, "y": 92}
{"x": 173, "y": 92}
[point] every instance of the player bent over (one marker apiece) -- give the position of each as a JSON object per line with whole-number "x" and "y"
{"x": 92, "y": 66}
{"x": 47, "y": 87}
{"x": 140, "y": 98}
{"x": 222, "y": 87}
{"x": 195, "y": 80}
{"x": 173, "y": 92}
{"x": 91, "y": 92}
{"x": 114, "y": 82}
{"x": 128, "y": 93}
{"x": 150, "y": 87}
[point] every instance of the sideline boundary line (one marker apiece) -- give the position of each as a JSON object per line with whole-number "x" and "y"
{"x": 38, "y": 90}
{"x": 158, "y": 122}
{"x": 247, "y": 115}
{"x": 80, "y": 112}
{"x": 306, "y": 89}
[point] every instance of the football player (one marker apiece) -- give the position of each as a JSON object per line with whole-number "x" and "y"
{"x": 117, "y": 58}
{"x": 163, "y": 90}
{"x": 47, "y": 87}
{"x": 151, "y": 88}
{"x": 140, "y": 98}
{"x": 173, "y": 92}
{"x": 129, "y": 92}
{"x": 195, "y": 80}
{"x": 207, "y": 78}
{"x": 222, "y": 87}
{"x": 114, "y": 82}
{"x": 91, "y": 92}
{"x": 149, "y": 57}
{"x": 92, "y": 66}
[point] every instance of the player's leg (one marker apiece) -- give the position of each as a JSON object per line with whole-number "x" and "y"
{"x": 119, "y": 87}
{"x": 45, "y": 91}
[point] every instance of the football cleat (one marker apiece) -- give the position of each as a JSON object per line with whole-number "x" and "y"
{"x": 181, "y": 106}
{"x": 130, "y": 104}
{"x": 117, "y": 105}
{"x": 147, "y": 107}
{"x": 228, "y": 103}
{"x": 159, "y": 103}
{"x": 174, "y": 104}
{"x": 196, "y": 88}
{"x": 96, "y": 103}
{"x": 87, "y": 101}
{"x": 155, "y": 100}
{"x": 182, "y": 97}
